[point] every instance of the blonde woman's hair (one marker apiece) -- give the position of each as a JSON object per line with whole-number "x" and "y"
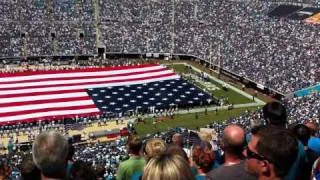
{"x": 204, "y": 136}
{"x": 167, "y": 167}
{"x": 155, "y": 147}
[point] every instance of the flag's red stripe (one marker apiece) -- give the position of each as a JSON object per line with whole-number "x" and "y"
{"x": 44, "y": 101}
{"x": 41, "y": 93}
{"x": 22, "y": 112}
{"x": 59, "y": 117}
{"x": 84, "y": 77}
{"x": 87, "y": 83}
{"x": 92, "y": 69}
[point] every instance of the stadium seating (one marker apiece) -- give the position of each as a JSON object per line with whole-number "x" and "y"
{"x": 239, "y": 35}
{"x": 279, "y": 53}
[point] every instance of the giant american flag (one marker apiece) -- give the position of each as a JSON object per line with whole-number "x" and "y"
{"x": 56, "y": 94}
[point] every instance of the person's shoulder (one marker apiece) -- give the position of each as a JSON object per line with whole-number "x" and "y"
{"x": 202, "y": 177}
{"x": 142, "y": 161}
{"x": 215, "y": 173}
{"x": 314, "y": 141}
{"x": 231, "y": 172}
{"x": 315, "y": 138}
{"x": 139, "y": 158}
{"x": 135, "y": 160}
{"x": 314, "y": 144}
{"x": 125, "y": 163}
{"x": 301, "y": 151}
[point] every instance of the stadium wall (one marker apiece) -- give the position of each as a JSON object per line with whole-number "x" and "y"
{"x": 307, "y": 91}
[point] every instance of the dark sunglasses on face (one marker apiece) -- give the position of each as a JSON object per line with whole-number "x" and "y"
{"x": 253, "y": 155}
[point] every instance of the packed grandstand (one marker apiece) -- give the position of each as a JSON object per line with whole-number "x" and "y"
{"x": 94, "y": 89}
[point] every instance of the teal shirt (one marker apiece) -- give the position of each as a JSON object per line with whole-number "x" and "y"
{"x": 296, "y": 167}
{"x": 200, "y": 177}
{"x": 10, "y": 147}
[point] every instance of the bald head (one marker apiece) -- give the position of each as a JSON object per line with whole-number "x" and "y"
{"x": 233, "y": 139}
{"x": 234, "y": 134}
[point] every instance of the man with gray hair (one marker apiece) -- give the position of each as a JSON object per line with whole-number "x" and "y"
{"x": 49, "y": 151}
{"x": 177, "y": 139}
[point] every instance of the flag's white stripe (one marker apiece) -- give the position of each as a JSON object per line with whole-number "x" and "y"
{"x": 43, "y": 97}
{"x": 78, "y": 74}
{"x": 88, "y": 86}
{"x": 45, "y": 105}
{"x": 75, "y": 81}
{"x": 50, "y": 113}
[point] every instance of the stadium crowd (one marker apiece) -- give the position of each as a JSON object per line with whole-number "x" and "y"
{"x": 237, "y": 35}
{"x": 103, "y": 160}
{"x": 33, "y": 28}
{"x": 107, "y": 157}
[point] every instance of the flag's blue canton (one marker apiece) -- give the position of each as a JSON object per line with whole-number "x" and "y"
{"x": 161, "y": 94}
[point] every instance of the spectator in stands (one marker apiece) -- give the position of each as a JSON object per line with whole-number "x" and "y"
{"x": 154, "y": 147}
{"x": 10, "y": 146}
{"x": 100, "y": 171}
{"x": 202, "y": 158}
{"x": 303, "y": 133}
{"x": 5, "y": 170}
{"x": 206, "y": 136}
{"x": 70, "y": 158}
{"x": 50, "y": 151}
{"x": 275, "y": 115}
{"x": 271, "y": 152}
{"x": 232, "y": 144}
{"x": 314, "y": 142}
{"x": 82, "y": 171}
{"x": 134, "y": 165}
{"x": 167, "y": 167}
{"x": 177, "y": 139}
{"x": 29, "y": 170}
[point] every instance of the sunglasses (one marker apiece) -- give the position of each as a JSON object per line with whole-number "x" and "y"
{"x": 252, "y": 155}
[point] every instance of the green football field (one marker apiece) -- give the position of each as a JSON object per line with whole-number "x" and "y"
{"x": 189, "y": 121}
{"x": 232, "y": 96}
{"x": 194, "y": 120}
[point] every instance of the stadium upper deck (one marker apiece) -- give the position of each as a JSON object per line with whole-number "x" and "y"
{"x": 278, "y": 53}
